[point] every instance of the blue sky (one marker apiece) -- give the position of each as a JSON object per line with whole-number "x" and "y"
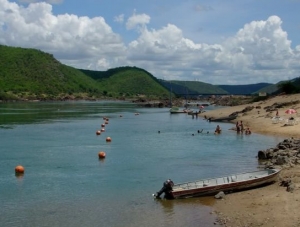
{"x": 213, "y": 41}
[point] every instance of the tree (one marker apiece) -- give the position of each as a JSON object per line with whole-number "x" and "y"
{"x": 288, "y": 87}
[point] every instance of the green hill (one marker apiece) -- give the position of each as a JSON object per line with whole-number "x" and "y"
{"x": 192, "y": 88}
{"x": 33, "y": 73}
{"x": 129, "y": 81}
{"x": 244, "y": 89}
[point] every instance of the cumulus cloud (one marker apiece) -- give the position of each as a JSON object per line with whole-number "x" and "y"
{"x": 119, "y": 18}
{"x": 67, "y": 36}
{"x": 48, "y": 1}
{"x": 259, "y": 52}
{"x": 137, "y": 20}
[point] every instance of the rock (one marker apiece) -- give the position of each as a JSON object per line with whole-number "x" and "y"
{"x": 220, "y": 195}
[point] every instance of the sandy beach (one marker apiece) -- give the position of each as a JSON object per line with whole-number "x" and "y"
{"x": 272, "y": 205}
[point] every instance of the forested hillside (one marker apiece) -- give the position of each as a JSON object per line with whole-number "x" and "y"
{"x": 33, "y": 73}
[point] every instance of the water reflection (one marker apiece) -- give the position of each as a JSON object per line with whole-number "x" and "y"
{"x": 192, "y": 210}
{"x": 26, "y": 113}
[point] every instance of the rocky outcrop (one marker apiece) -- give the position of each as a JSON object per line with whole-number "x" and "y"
{"x": 285, "y": 154}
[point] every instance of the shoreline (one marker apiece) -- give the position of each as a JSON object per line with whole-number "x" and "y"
{"x": 271, "y": 205}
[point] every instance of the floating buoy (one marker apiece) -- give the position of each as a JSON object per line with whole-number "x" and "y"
{"x": 106, "y": 122}
{"x": 103, "y": 130}
{"x": 101, "y": 154}
{"x": 98, "y": 132}
{"x": 103, "y": 125}
{"x": 108, "y": 139}
{"x": 19, "y": 170}
{"x": 107, "y": 119}
{"x": 121, "y": 116}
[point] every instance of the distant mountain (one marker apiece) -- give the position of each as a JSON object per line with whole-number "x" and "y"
{"x": 192, "y": 88}
{"x": 244, "y": 89}
{"x": 33, "y": 74}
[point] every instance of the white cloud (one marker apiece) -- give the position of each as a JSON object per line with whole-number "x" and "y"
{"x": 137, "y": 20}
{"x": 48, "y": 1}
{"x": 119, "y": 18}
{"x": 67, "y": 36}
{"x": 258, "y": 52}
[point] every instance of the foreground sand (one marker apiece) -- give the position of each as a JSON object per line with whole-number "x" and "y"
{"x": 271, "y": 205}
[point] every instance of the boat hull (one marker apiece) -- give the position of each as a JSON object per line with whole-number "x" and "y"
{"x": 205, "y": 189}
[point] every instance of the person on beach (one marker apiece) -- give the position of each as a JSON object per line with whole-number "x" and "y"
{"x": 277, "y": 114}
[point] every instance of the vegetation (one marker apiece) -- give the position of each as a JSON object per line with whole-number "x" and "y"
{"x": 289, "y": 87}
{"x": 244, "y": 89}
{"x": 129, "y": 82}
{"x": 32, "y": 74}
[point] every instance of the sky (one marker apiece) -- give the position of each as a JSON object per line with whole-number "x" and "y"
{"x": 229, "y": 42}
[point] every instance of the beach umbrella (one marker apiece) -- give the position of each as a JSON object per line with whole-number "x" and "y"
{"x": 290, "y": 111}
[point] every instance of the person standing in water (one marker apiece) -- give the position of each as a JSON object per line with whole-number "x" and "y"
{"x": 218, "y": 130}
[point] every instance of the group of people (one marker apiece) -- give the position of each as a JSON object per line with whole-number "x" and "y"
{"x": 240, "y": 128}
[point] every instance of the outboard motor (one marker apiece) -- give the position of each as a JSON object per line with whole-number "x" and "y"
{"x": 167, "y": 189}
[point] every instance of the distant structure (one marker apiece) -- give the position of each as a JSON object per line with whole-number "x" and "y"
{"x": 262, "y": 94}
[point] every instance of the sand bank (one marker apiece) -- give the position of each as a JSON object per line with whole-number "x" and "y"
{"x": 271, "y": 205}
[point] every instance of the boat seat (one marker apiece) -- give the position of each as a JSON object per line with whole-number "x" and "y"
{"x": 205, "y": 183}
{"x": 233, "y": 179}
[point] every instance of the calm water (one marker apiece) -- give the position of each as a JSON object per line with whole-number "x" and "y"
{"x": 65, "y": 184}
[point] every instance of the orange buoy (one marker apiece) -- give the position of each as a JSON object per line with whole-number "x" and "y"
{"x": 103, "y": 130}
{"x": 108, "y": 139}
{"x": 101, "y": 154}
{"x": 98, "y": 132}
{"x": 106, "y": 122}
{"x": 19, "y": 170}
{"x": 103, "y": 125}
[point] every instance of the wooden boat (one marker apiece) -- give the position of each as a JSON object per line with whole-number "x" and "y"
{"x": 222, "y": 119}
{"x": 230, "y": 183}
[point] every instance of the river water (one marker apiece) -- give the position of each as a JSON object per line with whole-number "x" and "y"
{"x": 65, "y": 184}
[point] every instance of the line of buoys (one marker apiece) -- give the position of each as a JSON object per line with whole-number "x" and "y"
{"x": 19, "y": 170}
{"x": 101, "y": 154}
